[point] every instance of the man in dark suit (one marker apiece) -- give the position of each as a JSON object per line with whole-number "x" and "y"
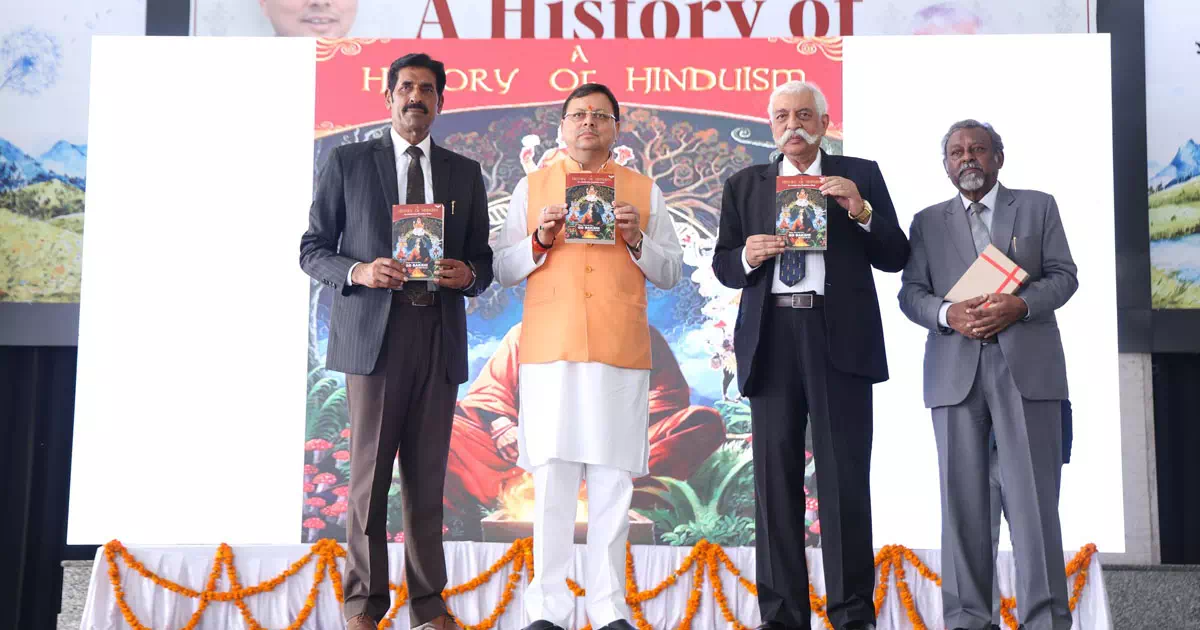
{"x": 809, "y": 346}
{"x": 402, "y": 345}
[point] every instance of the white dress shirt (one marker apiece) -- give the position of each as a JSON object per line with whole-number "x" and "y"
{"x": 814, "y": 262}
{"x": 590, "y": 413}
{"x": 400, "y": 145}
{"x": 989, "y": 205}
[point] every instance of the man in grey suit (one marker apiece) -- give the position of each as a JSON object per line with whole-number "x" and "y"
{"x": 402, "y": 344}
{"x": 994, "y": 364}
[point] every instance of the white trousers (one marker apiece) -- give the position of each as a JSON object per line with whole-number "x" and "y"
{"x": 556, "y": 487}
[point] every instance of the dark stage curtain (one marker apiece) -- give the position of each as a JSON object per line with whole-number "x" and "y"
{"x": 1177, "y": 446}
{"x": 37, "y": 404}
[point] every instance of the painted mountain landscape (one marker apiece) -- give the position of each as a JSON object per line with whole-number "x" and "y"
{"x": 41, "y": 223}
{"x": 1175, "y": 230}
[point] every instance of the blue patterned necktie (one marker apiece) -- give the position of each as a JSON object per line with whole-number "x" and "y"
{"x": 791, "y": 267}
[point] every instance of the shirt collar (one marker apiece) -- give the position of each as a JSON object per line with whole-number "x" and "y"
{"x": 989, "y": 200}
{"x": 401, "y": 145}
{"x": 787, "y": 169}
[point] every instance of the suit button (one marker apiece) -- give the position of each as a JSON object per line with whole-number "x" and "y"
{"x": 588, "y": 269}
{"x": 587, "y": 294}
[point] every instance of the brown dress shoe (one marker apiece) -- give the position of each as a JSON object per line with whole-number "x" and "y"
{"x": 445, "y": 622}
{"x": 361, "y": 622}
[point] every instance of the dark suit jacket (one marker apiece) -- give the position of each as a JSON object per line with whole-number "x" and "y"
{"x": 351, "y": 221}
{"x": 851, "y": 306}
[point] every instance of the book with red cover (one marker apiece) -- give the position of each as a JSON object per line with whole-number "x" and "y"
{"x": 800, "y": 212}
{"x": 417, "y": 238}
{"x": 590, "y": 214}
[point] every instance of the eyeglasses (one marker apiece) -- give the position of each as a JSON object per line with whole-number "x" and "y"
{"x": 599, "y": 117}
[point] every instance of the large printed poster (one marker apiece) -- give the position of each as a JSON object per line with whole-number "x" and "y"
{"x": 1173, "y": 171}
{"x": 688, "y": 123}
{"x": 637, "y": 19}
{"x": 45, "y": 50}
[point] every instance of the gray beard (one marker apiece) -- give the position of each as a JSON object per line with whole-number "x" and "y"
{"x": 971, "y": 182}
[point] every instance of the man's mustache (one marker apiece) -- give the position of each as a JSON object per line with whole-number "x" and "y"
{"x": 416, "y": 106}
{"x": 969, "y": 164}
{"x": 798, "y": 132}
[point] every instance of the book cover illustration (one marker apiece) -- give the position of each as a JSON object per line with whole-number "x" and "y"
{"x": 417, "y": 237}
{"x": 801, "y": 212}
{"x": 590, "y": 214}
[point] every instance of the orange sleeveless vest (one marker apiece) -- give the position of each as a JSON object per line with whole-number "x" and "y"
{"x": 586, "y": 303}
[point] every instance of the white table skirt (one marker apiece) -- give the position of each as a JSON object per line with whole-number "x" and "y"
{"x": 190, "y": 566}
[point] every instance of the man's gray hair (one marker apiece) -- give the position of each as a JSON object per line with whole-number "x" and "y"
{"x": 971, "y": 123}
{"x": 799, "y": 87}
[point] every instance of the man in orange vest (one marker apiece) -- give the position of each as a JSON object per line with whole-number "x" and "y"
{"x": 585, "y": 360}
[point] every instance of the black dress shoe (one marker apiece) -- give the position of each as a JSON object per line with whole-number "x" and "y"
{"x": 542, "y": 624}
{"x": 771, "y": 625}
{"x": 619, "y": 624}
{"x": 859, "y": 625}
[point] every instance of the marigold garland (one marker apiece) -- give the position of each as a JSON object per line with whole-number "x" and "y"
{"x": 1078, "y": 566}
{"x": 705, "y": 561}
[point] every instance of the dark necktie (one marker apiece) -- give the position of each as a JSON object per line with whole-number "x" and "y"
{"x": 791, "y": 267}
{"x": 415, "y": 188}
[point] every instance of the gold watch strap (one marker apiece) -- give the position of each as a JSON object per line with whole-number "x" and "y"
{"x": 865, "y": 215}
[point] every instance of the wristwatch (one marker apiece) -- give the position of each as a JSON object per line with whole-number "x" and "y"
{"x": 864, "y": 216}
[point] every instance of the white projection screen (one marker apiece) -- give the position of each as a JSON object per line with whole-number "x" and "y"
{"x": 1050, "y": 99}
{"x": 193, "y": 322}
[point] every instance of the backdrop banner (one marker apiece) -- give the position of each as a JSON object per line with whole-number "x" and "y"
{"x": 691, "y": 117}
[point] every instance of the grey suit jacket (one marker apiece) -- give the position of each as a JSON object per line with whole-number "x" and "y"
{"x": 351, "y": 221}
{"x": 1025, "y": 226}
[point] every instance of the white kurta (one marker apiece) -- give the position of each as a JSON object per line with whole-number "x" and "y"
{"x": 590, "y": 413}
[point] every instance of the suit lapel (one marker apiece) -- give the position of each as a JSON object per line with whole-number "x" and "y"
{"x": 959, "y": 230}
{"x": 833, "y": 166}
{"x": 385, "y": 163}
{"x": 439, "y": 160}
{"x": 1004, "y": 216}
{"x": 763, "y": 203}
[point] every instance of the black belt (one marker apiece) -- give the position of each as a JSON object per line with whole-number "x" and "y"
{"x": 989, "y": 340}
{"x": 416, "y": 293}
{"x": 798, "y": 300}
